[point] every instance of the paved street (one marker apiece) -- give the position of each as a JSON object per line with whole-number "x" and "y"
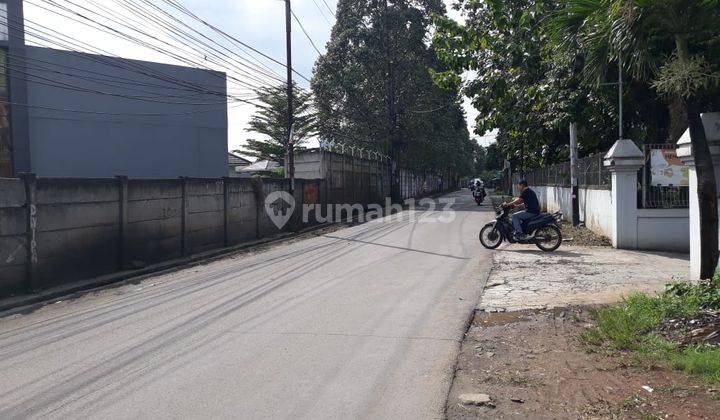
{"x": 360, "y": 323}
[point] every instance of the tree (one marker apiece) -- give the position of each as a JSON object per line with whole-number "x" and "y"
{"x": 671, "y": 45}
{"x": 495, "y": 160}
{"x": 480, "y": 159}
{"x": 373, "y": 88}
{"x": 270, "y": 120}
{"x": 526, "y": 85}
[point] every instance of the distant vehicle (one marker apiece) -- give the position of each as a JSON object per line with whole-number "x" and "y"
{"x": 479, "y": 194}
{"x": 475, "y": 183}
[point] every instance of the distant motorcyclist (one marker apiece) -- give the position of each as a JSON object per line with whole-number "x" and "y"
{"x": 479, "y": 193}
{"x": 532, "y": 209}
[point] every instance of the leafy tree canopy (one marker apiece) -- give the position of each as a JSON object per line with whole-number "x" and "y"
{"x": 531, "y": 87}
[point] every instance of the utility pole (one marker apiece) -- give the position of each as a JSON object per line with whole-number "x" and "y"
{"x": 574, "y": 175}
{"x": 577, "y": 67}
{"x": 290, "y": 146}
{"x": 620, "y": 97}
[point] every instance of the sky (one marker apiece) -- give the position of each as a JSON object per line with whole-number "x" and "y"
{"x": 259, "y": 23}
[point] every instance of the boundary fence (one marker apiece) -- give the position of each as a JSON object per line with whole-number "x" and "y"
{"x": 354, "y": 174}
{"x": 591, "y": 174}
{"x": 662, "y": 160}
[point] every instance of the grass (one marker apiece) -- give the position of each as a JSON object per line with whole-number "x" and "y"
{"x": 631, "y": 327}
{"x": 699, "y": 360}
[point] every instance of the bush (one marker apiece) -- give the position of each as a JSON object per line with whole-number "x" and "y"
{"x": 706, "y": 294}
{"x": 632, "y": 325}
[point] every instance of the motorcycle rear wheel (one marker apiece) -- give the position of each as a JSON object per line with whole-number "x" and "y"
{"x": 548, "y": 238}
{"x": 490, "y": 237}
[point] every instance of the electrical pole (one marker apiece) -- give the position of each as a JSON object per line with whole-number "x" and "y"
{"x": 620, "y": 97}
{"x": 289, "y": 147}
{"x": 577, "y": 67}
{"x": 573, "y": 174}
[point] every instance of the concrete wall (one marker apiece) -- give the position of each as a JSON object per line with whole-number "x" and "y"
{"x": 656, "y": 229}
{"x": 663, "y": 230}
{"x": 353, "y": 179}
{"x": 595, "y": 206}
{"x": 93, "y": 116}
{"x": 13, "y": 244}
{"x": 86, "y": 228}
{"x": 54, "y": 231}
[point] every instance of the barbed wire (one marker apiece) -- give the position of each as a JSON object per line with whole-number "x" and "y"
{"x": 352, "y": 150}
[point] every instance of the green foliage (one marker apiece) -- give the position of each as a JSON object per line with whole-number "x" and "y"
{"x": 526, "y": 87}
{"x": 494, "y": 157}
{"x": 373, "y": 86}
{"x": 668, "y": 46}
{"x": 705, "y": 294}
{"x": 540, "y": 64}
{"x": 698, "y": 360}
{"x": 624, "y": 325}
{"x": 685, "y": 78}
{"x": 270, "y": 120}
{"x": 630, "y": 325}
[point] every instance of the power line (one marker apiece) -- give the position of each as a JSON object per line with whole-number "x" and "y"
{"x": 137, "y": 8}
{"x": 328, "y": 7}
{"x": 306, "y": 33}
{"x": 88, "y": 21}
{"x": 186, "y": 11}
{"x": 54, "y": 38}
{"x": 322, "y": 13}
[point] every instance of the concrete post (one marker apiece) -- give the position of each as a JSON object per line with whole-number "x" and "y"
{"x": 685, "y": 152}
{"x": 184, "y": 216}
{"x": 226, "y": 211}
{"x": 624, "y": 160}
{"x": 122, "y": 222}
{"x": 30, "y": 181}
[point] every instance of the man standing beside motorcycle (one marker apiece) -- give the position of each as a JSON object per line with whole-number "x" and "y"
{"x": 532, "y": 209}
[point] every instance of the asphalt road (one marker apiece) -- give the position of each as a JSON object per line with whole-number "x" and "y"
{"x": 363, "y": 322}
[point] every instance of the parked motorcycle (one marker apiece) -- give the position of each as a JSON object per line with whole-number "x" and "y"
{"x": 543, "y": 231}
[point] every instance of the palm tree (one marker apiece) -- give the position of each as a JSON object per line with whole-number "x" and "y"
{"x": 669, "y": 44}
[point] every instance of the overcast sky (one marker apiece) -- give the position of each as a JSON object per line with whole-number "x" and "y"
{"x": 260, "y": 23}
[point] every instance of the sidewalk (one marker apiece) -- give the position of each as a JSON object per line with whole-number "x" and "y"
{"x": 523, "y": 277}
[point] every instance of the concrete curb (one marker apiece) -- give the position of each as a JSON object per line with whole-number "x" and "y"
{"x": 466, "y": 328}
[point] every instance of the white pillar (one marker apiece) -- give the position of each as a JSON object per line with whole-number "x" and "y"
{"x": 685, "y": 152}
{"x": 624, "y": 160}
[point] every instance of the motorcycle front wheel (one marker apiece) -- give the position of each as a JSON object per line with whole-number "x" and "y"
{"x": 490, "y": 237}
{"x": 548, "y": 238}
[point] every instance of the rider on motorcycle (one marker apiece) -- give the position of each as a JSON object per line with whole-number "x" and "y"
{"x": 532, "y": 209}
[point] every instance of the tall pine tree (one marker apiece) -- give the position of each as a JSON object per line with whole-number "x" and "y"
{"x": 373, "y": 86}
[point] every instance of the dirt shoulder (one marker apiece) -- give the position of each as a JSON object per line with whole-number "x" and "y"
{"x": 523, "y": 351}
{"x": 532, "y": 364}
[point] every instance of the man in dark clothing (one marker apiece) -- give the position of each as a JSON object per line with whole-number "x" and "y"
{"x": 532, "y": 209}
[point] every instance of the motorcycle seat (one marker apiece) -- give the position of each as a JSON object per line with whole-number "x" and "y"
{"x": 539, "y": 221}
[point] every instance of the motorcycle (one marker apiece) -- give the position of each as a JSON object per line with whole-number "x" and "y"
{"x": 543, "y": 231}
{"x": 479, "y": 195}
